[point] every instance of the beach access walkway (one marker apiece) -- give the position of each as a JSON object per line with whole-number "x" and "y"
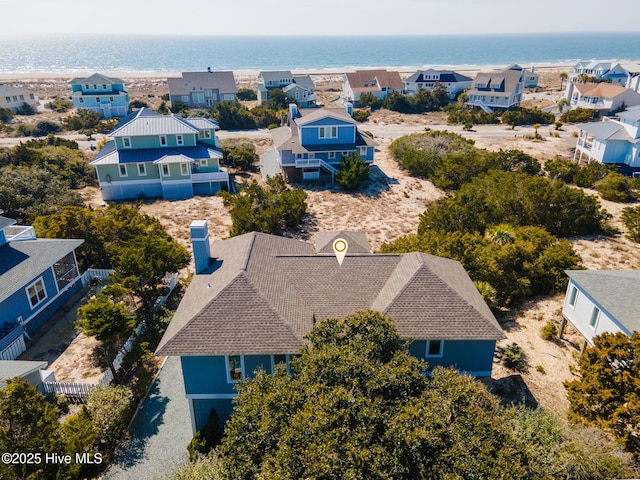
{"x": 160, "y": 432}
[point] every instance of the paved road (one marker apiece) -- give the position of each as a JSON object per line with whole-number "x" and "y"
{"x": 160, "y": 433}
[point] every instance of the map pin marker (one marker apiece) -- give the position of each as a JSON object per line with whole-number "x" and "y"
{"x": 340, "y": 247}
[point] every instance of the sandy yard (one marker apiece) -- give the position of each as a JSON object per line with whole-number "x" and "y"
{"x": 388, "y": 208}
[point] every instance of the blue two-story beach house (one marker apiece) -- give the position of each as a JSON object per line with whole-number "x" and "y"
{"x": 37, "y": 277}
{"x": 315, "y": 141}
{"x": 153, "y": 155}
{"x": 255, "y": 296}
{"x": 102, "y": 94}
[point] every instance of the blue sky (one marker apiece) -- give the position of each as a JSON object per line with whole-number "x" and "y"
{"x": 326, "y": 17}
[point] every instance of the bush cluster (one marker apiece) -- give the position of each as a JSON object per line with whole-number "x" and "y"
{"x": 238, "y": 153}
{"x": 527, "y": 116}
{"x": 352, "y": 172}
{"x": 578, "y": 115}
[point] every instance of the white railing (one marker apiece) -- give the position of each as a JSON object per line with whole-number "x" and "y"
{"x": 307, "y": 162}
{"x": 71, "y": 390}
{"x": 210, "y": 177}
{"x": 95, "y": 274}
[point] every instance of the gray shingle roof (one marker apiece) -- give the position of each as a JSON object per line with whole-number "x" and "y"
{"x": 18, "y": 368}
{"x": 11, "y": 90}
{"x": 96, "y": 78}
{"x": 507, "y": 80}
{"x": 615, "y": 290}
{"x": 357, "y": 241}
{"x": 223, "y": 81}
{"x": 6, "y": 222}
{"x": 24, "y": 261}
{"x": 304, "y": 81}
{"x": 263, "y": 293}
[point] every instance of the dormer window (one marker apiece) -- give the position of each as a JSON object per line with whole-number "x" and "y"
{"x": 179, "y": 140}
{"x": 204, "y": 134}
{"x": 328, "y": 132}
{"x": 163, "y": 140}
{"x": 126, "y": 142}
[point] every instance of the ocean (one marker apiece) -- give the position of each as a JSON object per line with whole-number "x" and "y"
{"x": 149, "y": 54}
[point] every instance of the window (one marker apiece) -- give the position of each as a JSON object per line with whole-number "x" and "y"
{"x": 36, "y": 292}
{"x": 15, "y": 98}
{"x": 184, "y": 98}
{"x": 95, "y": 87}
{"x": 229, "y": 97}
{"x": 142, "y": 169}
{"x": 126, "y": 142}
{"x": 65, "y": 271}
{"x": 165, "y": 170}
{"x": 104, "y": 87}
{"x": 280, "y": 361}
{"x": 573, "y": 296}
{"x": 594, "y": 317}
{"x": 235, "y": 368}
{"x": 123, "y": 170}
{"x": 86, "y": 87}
{"x": 332, "y": 155}
{"x": 328, "y": 132}
{"x": 163, "y": 140}
{"x": 298, "y": 155}
{"x": 81, "y": 100}
{"x": 204, "y": 134}
{"x": 434, "y": 348}
{"x": 111, "y": 99}
{"x": 21, "y": 97}
{"x": 208, "y": 92}
{"x": 198, "y": 97}
{"x": 312, "y": 155}
{"x": 363, "y": 150}
{"x": 8, "y": 99}
{"x": 184, "y": 169}
{"x": 204, "y": 162}
{"x": 179, "y": 140}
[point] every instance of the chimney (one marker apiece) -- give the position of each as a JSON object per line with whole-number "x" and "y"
{"x": 293, "y": 111}
{"x": 200, "y": 243}
{"x": 349, "y": 108}
{"x": 209, "y": 69}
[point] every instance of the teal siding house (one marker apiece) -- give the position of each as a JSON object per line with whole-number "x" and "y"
{"x": 37, "y": 277}
{"x": 102, "y": 94}
{"x": 255, "y": 296}
{"x": 165, "y": 156}
{"x": 315, "y": 141}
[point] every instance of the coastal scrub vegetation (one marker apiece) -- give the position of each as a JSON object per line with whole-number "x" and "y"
{"x": 578, "y": 115}
{"x": 631, "y": 220}
{"x": 425, "y": 100}
{"x": 606, "y": 394}
{"x": 246, "y": 94}
{"x": 270, "y": 209}
{"x": 527, "y": 116}
{"x": 238, "y": 153}
{"x": 352, "y": 172}
{"x": 359, "y": 406}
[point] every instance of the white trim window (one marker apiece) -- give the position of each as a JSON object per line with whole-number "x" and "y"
{"x": 573, "y": 296}
{"x": 36, "y": 292}
{"x": 595, "y": 316}
{"x": 122, "y": 169}
{"x": 184, "y": 169}
{"x": 328, "y": 132}
{"x": 81, "y": 100}
{"x": 435, "y": 349}
{"x": 204, "y": 162}
{"x": 363, "y": 151}
{"x": 234, "y": 365}
{"x": 165, "y": 170}
{"x": 163, "y": 140}
{"x": 281, "y": 361}
{"x": 179, "y": 140}
{"x": 332, "y": 155}
{"x": 204, "y": 134}
{"x": 126, "y": 142}
{"x": 142, "y": 169}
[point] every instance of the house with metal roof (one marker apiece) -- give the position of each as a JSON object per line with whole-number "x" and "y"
{"x": 31, "y": 372}
{"x": 102, "y": 94}
{"x": 166, "y": 156}
{"x": 614, "y": 141}
{"x": 454, "y": 82}
{"x": 203, "y": 89}
{"x": 499, "y": 89}
{"x": 599, "y": 301}
{"x": 605, "y": 98}
{"x": 254, "y": 297}
{"x": 299, "y": 87}
{"x": 14, "y": 98}
{"x": 379, "y": 83}
{"x": 315, "y": 140}
{"x": 37, "y": 277}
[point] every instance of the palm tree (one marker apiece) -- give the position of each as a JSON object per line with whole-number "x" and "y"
{"x": 563, "y": 77}
{"x": 501, "y": 234}
{"x": 536, "y": 126}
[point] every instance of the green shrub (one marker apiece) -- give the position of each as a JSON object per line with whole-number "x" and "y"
{"x": 60, "y": 105}
{"x": 550, "y": 331}
{"x": 138, "y": 104}
{"x": 526, "y": 116}
{"x": 45, "y": 128}
{"x": 459, "y": 114}
{"x": 233, "y": 116}
{"x": 615, "y": 187}
{"x": 25, "y": 109}
{"x": 238, "y": 153}
{"x": 514, "y": 358}
{"x": 561, "y": 169}
{"x": 352, "y": 172}
{"x": 540, "y": 368}
{"x": 360, "y": 115}
{"x": 206, "y": 438}
{"x": 5, "y": 115}
{"x": 369, "y": 100}
{"x": 631, "y": 220}
{"x": 578, "y": 115}
{"x": 247, "y": 94}
{"x": 588, "y": 175}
